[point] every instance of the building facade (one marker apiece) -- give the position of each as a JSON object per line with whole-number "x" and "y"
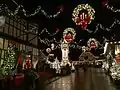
{"x": 20, "y": 33}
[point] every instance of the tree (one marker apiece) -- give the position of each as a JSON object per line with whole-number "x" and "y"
{"x": 9, "y": 61}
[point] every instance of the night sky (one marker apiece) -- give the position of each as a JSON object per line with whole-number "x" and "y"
{"x": 64, "y": 20}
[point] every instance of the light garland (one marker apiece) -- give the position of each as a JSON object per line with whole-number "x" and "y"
{"x": 58, "y": 44}
{"x": 100, "y": 26}
{"x": 83, "y": 19}
{"x": 21, "y": 7}
{"x": 105, "y": 3}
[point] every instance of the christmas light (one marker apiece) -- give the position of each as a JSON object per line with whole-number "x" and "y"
{"x": 68, "y": 38}
{"x": 115, "y": 71}
{"x": 95, "y": 43}
{"x": 9, "y": 61}
{"x": 105, "y": 4}
{"x": 3, "y": 7}
{"x": 83, "y": 18}
{"x": 100, "y": 26}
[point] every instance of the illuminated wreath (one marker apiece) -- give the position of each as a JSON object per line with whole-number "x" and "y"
{"x": 92, "y": 40}
{"x": 87, "y": 18}
{"x": 69, "y": 30}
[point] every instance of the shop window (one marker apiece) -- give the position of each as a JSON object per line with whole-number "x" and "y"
{"x": 1, "y": 43}
{"x": 6, "y": 44}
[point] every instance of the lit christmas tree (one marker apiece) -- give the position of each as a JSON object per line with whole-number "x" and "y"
{"x": 9, "y": 61}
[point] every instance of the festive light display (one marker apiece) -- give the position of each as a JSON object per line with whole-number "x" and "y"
{"x": 98, "y": 27}
{"x": 69, "y": 35}
{"x": 54, "y": 65}
{"x": 65, "y": 52}
{"x": 58, "y": 44}
{"x": 115, "y": 71}
{"x": 9, "y": 61}
{"x": 21, "y": 7}
{"x": 105, "y": 4}
{"x": 84, "y": 17}
{"x": 92, "y": 43}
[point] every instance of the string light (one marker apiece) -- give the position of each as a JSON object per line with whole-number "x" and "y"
{"x": 3, "y": 7}
{"x": 100, "y": 26}
{"x": 105, "y": 3}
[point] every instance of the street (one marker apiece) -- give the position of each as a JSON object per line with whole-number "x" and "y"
{"x": 92, "y": 79}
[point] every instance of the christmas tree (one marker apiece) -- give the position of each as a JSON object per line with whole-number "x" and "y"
{"x": 9, "y": 61}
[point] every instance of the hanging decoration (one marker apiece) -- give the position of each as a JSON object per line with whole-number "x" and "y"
{"x": 2, "y": 20}
{"x": 83, "y": 14}
{"x": 21, "y": 8}
{"x": 92, "y": 43}
{"x": 69, "y": 35}
{"x": 105, "y": 4}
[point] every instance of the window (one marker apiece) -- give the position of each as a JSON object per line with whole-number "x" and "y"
{"x": 21, "y": 47}
{"x": 18, "y": 33}
{"x": 6, "y": 28}
{"x": 24, "y": 47}
{"x": 3, "y": 53}
{"x": 14, "y": 32}
{"x": 11, "y": 22}
{"x": 11, "y": 30}
{"x": 1, "y": 43}
{"x": 22, "y": 36}
{"x": 6, "y": 44}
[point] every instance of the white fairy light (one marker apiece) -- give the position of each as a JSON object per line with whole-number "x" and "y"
{"x": 105, "y": 3}
{"x": 21, "y": 7}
